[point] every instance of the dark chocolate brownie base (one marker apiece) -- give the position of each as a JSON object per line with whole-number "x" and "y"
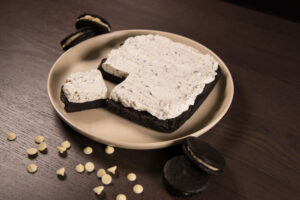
{"x": 74, "y": 107}
{"x": 169, "y": 125}
{"x": 108, "y": 76}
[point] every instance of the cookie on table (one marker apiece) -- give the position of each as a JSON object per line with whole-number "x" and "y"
{"x": 203, "y": 155}
{"x": 77, "y": 37}
{"x": 84, "y": 90}
{"x": 182, "y": 178}
{"x": 97, "y": 23}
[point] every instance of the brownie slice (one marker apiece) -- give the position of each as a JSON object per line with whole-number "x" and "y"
{"x": 169, "y": 125}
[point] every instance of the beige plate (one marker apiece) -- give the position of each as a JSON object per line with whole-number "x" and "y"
{"x": 105, "y": 127}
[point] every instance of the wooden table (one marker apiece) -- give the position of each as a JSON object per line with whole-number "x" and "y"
{"x": 259, "y": 136}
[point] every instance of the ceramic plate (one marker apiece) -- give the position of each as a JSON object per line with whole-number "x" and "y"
{"x": 108, "y": 128}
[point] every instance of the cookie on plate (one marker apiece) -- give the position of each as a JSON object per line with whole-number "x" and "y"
{"x": 84, "y": 90}
{"x": 97, "y": 23}
{"x": 204, "y": 155}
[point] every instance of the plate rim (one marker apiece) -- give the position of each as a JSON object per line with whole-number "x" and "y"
{"x": 147, "y": 145}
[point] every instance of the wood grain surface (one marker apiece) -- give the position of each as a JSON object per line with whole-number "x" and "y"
{"x": 259, "y": 136}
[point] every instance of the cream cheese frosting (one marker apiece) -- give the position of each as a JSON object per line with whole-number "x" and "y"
{"x": 85, "y": 86}
{"x": 163, "y": 77}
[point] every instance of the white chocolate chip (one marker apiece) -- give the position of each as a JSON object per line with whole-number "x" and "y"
{"x": 131, "y": 177}
{"x": 66, "y": 144}
{"x": 32, "y": 151}
{"x": 112, "y": 169}
{"x": 98, "y": 190}
{"x": 106, "y": 179}
{"x": 61, "y": 172}
{"x": 11, "y": 136}
{"x": 109, "y": 150}
{"x": 89, "y": 167}
{"x": 79, "y": 168}
{"x": 88, "y": 150}
{"x": 42, "y": 146}
{"x": 121, "y": 197}
{"x": 38, "y": 139}
{"x": 32, "y": 168}
{"x": 100, "y": 173}
{"x": 61, "y": 149}
{"x": 138, "y": 189}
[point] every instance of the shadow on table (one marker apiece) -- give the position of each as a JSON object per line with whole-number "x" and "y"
{"x": 285, "y": 9}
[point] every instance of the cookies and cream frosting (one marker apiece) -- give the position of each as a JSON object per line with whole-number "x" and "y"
{"x": 163, "y": 77}
{"x": 82, "y": 87}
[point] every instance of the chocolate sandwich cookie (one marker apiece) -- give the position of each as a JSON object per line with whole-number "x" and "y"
{"x": 183, "y": 178}
{"x": 97, "y": 23}
{"x": 77, "y": 37}
{"x": 204, "y": 156}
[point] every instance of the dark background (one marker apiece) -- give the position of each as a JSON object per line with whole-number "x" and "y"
{"x": 259, "y": 136}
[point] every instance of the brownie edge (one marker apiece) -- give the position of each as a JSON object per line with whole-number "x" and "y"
{"x": 169, "y": 125}
{"x": 74, "y": 107}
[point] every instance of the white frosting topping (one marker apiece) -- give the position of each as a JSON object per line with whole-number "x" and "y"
{"x": 85, "y": 86}
{"x": 163, "y": 77}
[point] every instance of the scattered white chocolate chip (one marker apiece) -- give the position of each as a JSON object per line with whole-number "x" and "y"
{"x": 131, "y": 177}
{"x": 61, "y": 172}
{"x": 138, "y": 189}
{"x": 61, "y": 149}
{"x": 121, "y": 197}
{"x": 11, "y": 136}
{"x": 32, "y": 151}
{"x": 100, "y": 173}
{"x": 98, "y": 190}
{"x": 32, "y": 168}
{"x": 88, "y": 150}
{"x": 79, "y": 168}
{"x": 66, "y": 144}
{"x": 106, "y": 179}
{"x": 42, "y": 147}
{"x": 38, "y": 139}
{"x": 109, "y": 150}
{"x": 112, "y": 170}
{"x": 89, "y": 167}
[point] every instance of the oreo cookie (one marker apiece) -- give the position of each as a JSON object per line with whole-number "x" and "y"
{"x": 77, "y": 37}
{"x": 203, "y": 155}
{"x": 181, "y": 177}
{"x": 97, "y": 23}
